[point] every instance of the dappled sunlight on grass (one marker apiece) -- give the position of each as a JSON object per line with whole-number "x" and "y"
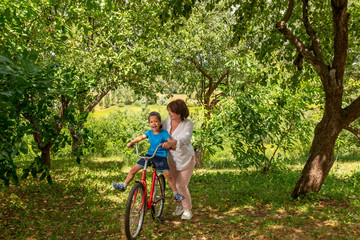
{"x": 227, "y": 204}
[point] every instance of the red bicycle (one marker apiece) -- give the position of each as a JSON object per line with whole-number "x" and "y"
{"x": 138, "y": 202}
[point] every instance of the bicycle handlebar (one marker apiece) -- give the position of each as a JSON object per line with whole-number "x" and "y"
{"x": 137, "y": 151}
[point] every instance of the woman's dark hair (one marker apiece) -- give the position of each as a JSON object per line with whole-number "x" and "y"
{"x": 178, "y": 106}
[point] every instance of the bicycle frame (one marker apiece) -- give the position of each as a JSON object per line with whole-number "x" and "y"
{"x": 150, "y": 202}
{"x": 137, "y": 205}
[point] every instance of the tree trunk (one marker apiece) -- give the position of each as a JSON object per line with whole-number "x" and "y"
{"x": 45, "y": 155}
{"x": 198, "y": 154}
{"x": 320, "y": 159}
{"x": 75, "y": 140}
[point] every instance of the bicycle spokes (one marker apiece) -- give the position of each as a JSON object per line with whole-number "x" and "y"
{"x": 135, "y": 211}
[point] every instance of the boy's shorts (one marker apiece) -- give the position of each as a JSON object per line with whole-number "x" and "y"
{"x": 160, "y": 163}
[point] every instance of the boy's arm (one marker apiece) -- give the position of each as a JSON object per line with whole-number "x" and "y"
{"x": 136, "y": 140}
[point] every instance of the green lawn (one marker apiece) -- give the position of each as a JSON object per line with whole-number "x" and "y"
{"x": 228, "y": 204}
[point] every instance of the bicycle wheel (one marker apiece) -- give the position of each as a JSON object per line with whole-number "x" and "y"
{"x": 158, "y": 197}
{"x": 135, "y": 211}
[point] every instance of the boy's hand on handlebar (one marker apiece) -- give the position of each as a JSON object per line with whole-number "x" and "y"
{"x": 130, "y": 145}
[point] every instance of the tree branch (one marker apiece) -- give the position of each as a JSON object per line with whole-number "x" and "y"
{"x": 200, "y": 69}
{"x": 225, "y": 73}
{"x": 289, "y": 11}
{"x": 340, "y": 22}
{"x": 37, "y": 17}
{"x": 99, "y": 97}
{"x": 299, "y": 61}
{"x": 352, "y": 112}
{"x": 300, "y": 46}
{"x": 353, "y": 130}
{"x": 311, "y": 32}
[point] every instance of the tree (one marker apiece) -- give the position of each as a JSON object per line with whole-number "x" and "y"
{"x": 335, "y": 117}
{"x": 59, "y": 59}
{"x": 319, "y": 31}
{"x": 203, "y": 62}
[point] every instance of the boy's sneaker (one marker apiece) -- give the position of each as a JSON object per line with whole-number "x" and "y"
{"x": 187, "y": 215}
{"x": 119, "y": 186}
{"x": 178, "y": 197}
{"x": 178, "y": 210}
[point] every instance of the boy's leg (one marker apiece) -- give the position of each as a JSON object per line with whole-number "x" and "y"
{"x": 132, "y": 173}
{"x": 170, "y": 179}
{"x": 128, "y": 179}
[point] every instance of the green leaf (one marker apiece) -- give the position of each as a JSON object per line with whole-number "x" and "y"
{"x": 14, "y": 153}
{"x": 86, "y": 30}
{"x": 24, "y": 147}
{"x": 89, "y": 5}
{"x": 43, "y": 175}
{"x": 7, "y": 13}
{"x": 15, "y": 179}
{"x": 49, "y": 179}
{"x": 33, "y": 172}
{"x": 83, "y": 116}
{"x": 78, "y": 160}
{"x": 64, "y": 38}
{"x": 25, "y": 174}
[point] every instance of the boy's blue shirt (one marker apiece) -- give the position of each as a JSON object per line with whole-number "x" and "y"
{"x": 155, "y": 140}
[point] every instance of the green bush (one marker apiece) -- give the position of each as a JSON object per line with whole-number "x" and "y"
{"x": 110, "y": 135}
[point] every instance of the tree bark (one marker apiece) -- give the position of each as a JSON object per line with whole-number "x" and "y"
{"x": 45, "y": 155}
{"x": 45, "y": 150}
{"x": 320, "y": 159}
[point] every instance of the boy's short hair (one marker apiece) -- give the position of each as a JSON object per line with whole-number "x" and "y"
{"x": 178, "y": 106}
{"x": 154, "y": 114}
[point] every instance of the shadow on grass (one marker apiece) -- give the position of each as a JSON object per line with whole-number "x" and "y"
{"x": 226, "y": 204}
{"x": 352, "y": 157}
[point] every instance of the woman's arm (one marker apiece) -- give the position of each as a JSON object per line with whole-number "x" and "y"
{"x": 136, "y": 140}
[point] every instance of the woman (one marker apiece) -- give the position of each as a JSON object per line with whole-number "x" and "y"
{"x": 181, "y": 160}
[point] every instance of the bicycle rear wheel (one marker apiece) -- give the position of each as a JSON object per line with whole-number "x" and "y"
{"x": 158, "y": 197}
{"x": 135, "y": 211}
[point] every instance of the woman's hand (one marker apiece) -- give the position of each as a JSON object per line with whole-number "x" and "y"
{"x": 166, "y": 145}
{"x": 170, "y": 144}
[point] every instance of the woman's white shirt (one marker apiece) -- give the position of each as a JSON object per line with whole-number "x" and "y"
{"x": 182, "y": 156}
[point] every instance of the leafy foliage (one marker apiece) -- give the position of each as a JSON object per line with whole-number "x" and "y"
{"x": 65, "y": 56}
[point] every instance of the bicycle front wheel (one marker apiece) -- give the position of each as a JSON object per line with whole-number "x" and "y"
{"x": 158, "y": 196}
{"x": 135, "y": 211}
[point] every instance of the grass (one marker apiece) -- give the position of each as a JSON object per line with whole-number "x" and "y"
{"x": 227, "y": 204}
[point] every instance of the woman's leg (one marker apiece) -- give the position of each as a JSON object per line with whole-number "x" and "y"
{"x": 182, "y": 179}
